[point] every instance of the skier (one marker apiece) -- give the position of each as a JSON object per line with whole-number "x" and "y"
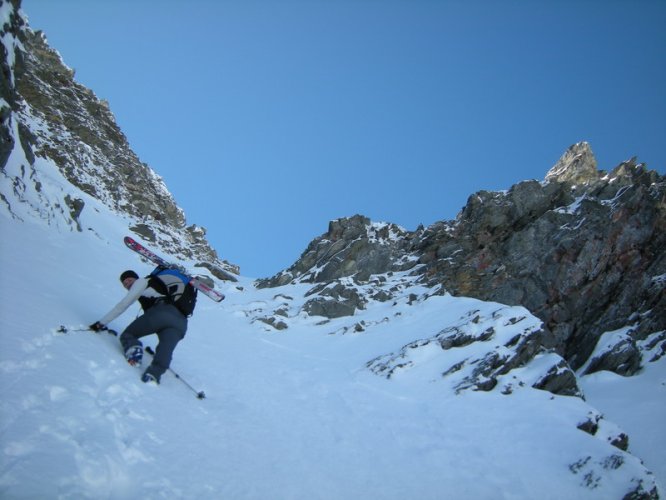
{"x": 161, "y": 316}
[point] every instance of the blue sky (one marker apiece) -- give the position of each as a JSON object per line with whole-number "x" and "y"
{"x": 267, "y": 119}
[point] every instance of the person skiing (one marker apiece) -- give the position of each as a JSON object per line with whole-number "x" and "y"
{"x": 160, "y": 316}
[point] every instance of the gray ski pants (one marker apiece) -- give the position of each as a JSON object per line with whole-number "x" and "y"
{"x": 170, "y": 326}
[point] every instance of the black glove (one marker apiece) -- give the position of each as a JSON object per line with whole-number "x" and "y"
{"x": 97, "y": 327}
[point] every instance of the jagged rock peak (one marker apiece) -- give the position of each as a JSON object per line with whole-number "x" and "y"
{"x": 576, "y": 166}
{"x": 352, "y": 246}
{"x": 359, "y": 226}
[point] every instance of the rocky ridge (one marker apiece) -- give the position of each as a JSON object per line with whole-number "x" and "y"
{"x": 583, "y": 250}
{"x": 46, "y": 115}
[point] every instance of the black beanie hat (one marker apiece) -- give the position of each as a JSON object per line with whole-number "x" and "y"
{"x": 128, "y": 274}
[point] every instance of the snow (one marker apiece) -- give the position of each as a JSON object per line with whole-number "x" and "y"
{"x": 643, "y": 418}
{"x": 374, "y": 228}
{"x": 292, "y": 414}
{"x": 573, "y": 207}
{"x": 659, "y": 280}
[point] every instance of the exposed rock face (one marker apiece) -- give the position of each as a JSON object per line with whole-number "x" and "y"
{"x": 584, "y": 250}
{"x": 576, "y": 166}
{"x": 7, "y": 84}
{"x": 352, "y": 247}
{"x": 49, "y": 115}
{"x": 586, "y": 258}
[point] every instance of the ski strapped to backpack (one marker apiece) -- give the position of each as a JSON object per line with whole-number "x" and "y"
{"x": 197, "y": 283}
{"x": 175, "y": 286}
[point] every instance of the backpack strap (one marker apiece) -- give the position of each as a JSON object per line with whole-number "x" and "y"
{"x": 158, "y": 269}
{"x": 158, "y": 285}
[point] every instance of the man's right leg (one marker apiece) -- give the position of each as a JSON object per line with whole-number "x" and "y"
{"x": 169, "y": 338}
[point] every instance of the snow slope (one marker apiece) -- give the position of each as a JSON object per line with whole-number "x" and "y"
{"x": 291, "y": 414}
{"x": 300, "y": 413}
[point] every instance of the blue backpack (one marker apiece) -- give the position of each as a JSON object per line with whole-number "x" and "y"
{"x": 175, "y": 286}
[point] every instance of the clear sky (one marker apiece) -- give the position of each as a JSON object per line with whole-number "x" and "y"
{"x": 269, "y": 118}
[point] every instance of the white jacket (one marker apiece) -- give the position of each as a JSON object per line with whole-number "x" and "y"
{"x": 138, "y": 289}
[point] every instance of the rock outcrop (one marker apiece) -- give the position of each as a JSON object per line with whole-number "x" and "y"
{"x": 352, "y": 246}
{"x": 45, "y": 114}
{"x": 584, "y": 250}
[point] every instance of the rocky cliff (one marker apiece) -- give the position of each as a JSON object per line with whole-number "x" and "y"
{"x": 584, "y": 250}
{"x": 47, "y": 115}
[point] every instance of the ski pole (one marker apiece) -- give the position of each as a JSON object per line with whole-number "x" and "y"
{"x": 200, "y": 394}
{"x": 64, "y": 329}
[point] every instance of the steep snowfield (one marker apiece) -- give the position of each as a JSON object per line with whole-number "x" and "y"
{"x": 293, "y": 414}
{"x": 290, "y": 414}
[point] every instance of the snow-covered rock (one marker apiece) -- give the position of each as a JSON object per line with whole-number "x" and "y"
{"x": 53, "y": 126}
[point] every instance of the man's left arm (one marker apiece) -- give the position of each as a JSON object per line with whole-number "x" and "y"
{"x": 138, "y": 287}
